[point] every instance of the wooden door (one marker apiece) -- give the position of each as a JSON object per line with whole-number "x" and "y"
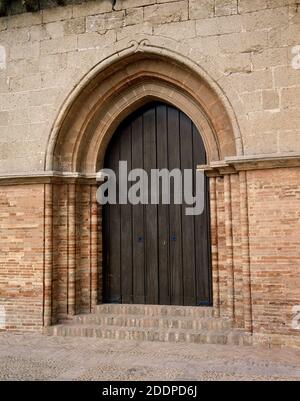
{"x": 156, "y": 254}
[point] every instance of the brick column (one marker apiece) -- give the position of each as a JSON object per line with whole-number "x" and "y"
{"x": 214, "y": 245}
{"x": 245, "y": 252}
{"x": 71, "y": 249}
{"x": 48, "y": 261}
{"x": 94, "y": 247}
{"x": 229, "y": 246}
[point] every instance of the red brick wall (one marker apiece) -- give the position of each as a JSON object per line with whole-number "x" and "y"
{"x": 221, "y": 240}
{"x": 237, "y": 252}
{"x": 274, "y": 243}
{"x": 67, "y": 229}
{"x": 22, "y": 255}
{"x": 274, "y": 220}
{"x": 83, "y": 252}
{"x": 60, "y": 252}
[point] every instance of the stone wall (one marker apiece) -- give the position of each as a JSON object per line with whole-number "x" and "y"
{"x": 246, "y": 50}
{"x": 246, "y": 46}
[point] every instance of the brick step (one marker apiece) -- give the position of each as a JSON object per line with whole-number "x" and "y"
{"x": 232, "y": 337}
{"x": 141, "y": 321}
{"x": 155, "y": 310}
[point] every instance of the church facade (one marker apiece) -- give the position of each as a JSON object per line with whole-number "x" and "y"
{"x": 217, "y": 84}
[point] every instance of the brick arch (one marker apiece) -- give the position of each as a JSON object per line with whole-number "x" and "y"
{"x": 82, "y": 132}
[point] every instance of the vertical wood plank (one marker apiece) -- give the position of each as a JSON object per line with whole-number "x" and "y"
{"x": 138, "y": 228}
{"x": 175, "y": 211}
{"x": 149, "y": 120}
{"x": 126, "y": 223}
{"x": 202, "y": 240}
{"x": 188, "y": 222}
{"x": 163, "y": 210}
{"x": 113, "y": 233}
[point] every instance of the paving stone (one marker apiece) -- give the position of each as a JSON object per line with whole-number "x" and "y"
{"x": 36, "y": 357}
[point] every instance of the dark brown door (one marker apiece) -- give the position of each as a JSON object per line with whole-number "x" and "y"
{"x": 156, "y": 254}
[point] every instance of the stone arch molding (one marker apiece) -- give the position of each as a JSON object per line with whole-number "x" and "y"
{"x": 123, "y": 82}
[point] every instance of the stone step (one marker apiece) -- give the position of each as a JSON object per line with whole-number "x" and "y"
{"x": 141, "y": 321}
{"x": 232, "y": 337}
{"x": 155, "y": 310}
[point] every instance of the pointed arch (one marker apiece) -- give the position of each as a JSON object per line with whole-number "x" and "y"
{"x": 120, "y": 85}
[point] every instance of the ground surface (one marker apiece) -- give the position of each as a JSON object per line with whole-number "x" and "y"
{"x": 37, "y": 357}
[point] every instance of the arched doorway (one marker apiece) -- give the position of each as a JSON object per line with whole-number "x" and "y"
{"x": 156, "y": 254}
{"x": 76, "y": 150}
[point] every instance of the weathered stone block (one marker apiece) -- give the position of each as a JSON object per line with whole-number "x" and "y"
{"x": 266, "y": 19}
{"x": 53, "y": 62}
{"x": 177, "y": 31}
{"x": 247, "y": 6}
{"x": 3, "y": 118}
{"x": 290, "y": 98}
{"x": 61, "y": 45}
{"x": 133, "y": 16}
{"x": 270, "y": 58}
{"x": 166, "y": 13}
{"x": 201, "y": 9}
{"x": 54, "y": 30}
{"x": 124, "y": 4}
{"x": 244, "y": 42}
{"x": 3, "y": 24}
{"x": 25, "y": 83}
{"x": 92, "y": 8}
{"x": 236, "y": 63}
{"x": 42, "y": 97}
{"x": 289, "y": 141}
{"x": 25, "y": 51}
{"x": 95, "y": 40}
{"x": 57, "y": 14}
{"x": 252, "y": 101}
{"x": 39, "y": 33}
{"x": 3, "y": 58}
{"x": 219, "y": 26}
{"x": 270, "y": 99}
{"x": 288, "y": 35}
{"x": 74, "y": 26}
{"x": 226, "y": 7}
{"x": 106, "y": 21}
{"x": 286, "y": 77}
{"x": 131, "y": 30}
{"x": 24, "y": 20}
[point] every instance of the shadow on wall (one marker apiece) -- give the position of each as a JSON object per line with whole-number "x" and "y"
{"x": 21, "y": 6}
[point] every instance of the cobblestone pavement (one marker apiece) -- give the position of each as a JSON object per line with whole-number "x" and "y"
{"x": 37, "y": 357}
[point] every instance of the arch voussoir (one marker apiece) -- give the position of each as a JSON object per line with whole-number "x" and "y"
{"x": 121, "y": 88}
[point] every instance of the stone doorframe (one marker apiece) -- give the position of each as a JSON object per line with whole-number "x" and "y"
{"x": 79, "y": 138}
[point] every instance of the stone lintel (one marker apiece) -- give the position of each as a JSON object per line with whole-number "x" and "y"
{"x": 231, "y": 165}
{"x": 234, "y": 164}
{"x": 45, "y": 177}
